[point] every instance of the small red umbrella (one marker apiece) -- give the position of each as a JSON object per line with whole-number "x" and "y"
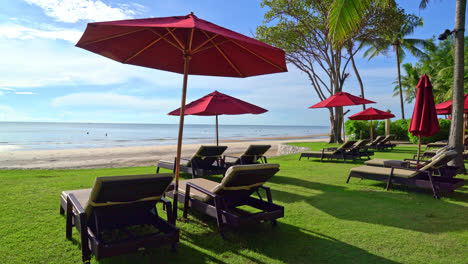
{"x": 424, "y": 121}
{"x": 217, "y": 103}
{"x": 342, "y": 99}
{"x": 445, "y": 108}
{"x": 371, "y": 114}
{"x": 182, "y": 44}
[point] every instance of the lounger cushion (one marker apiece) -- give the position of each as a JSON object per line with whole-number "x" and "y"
{"x": 233, "y": 181}
{"x": 81, "y": 195}
{"x": 376, "y": 162}
{"x": 320, "y": 152}
{"x": 384, "y": 171}
{"x": 201, "y": 182}
{"x": 113, "y": 190}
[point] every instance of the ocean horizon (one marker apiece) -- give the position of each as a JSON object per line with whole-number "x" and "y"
{"x": 21, "y": 136}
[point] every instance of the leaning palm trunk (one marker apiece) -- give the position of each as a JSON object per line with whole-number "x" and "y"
{"x": 456, "y": 127}
{"x": 358, "y": 76}
{"x": 397, "y": 49}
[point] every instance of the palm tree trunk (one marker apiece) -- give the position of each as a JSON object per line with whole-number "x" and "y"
{"x": 456, "y": 127}
{"x": 397, "y": 49}
{"x": 358, "y": 76}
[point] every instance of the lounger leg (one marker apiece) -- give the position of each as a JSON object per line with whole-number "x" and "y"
{"x": 186, "y": 202}
{"x": 219, "y": 216}
{"x": 270, "y": 200}
{"x": 349, "y": 177}
{"x": 434, "y": 190}
{"x": 300, "y": 156}
{"x": 69, "y": 225}
{"x": 85, "y": 252}
{"x": 157, "y": 169}
{"x": 62, "y": 211}
{"x": 389, "y": 179}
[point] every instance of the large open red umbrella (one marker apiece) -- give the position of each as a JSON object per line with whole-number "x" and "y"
{"x": 424, "y": 121}
{"x": 371, "y": 114}
{"x": 182, "y": 44}
{"x": 445, "y": 108}
{"x": 342, "y": 99}
{"x": 217, "y": 103}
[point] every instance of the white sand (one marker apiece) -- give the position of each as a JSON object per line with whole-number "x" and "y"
{"x": 117, "y": 157}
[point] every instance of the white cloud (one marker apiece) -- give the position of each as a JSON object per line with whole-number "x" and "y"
{"x": 113, "y": 100}
{"x": 14, "y": 31}
{"x": 1, "y": 93}
{"x": 7, "y": 113}
{"x": 72, "y": 11}
{"x": 25, "y": 93}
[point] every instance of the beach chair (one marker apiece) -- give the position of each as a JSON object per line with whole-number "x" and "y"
{"x": 206, "y": 161}
{"x": 118, "y": 215}
{"x": 222, "y": 201}
{"x": 331, "y": 153}
{"x": 374, "y": 143}
{"x": 385, "y": 143}
{"x": 252, "y": 155}
{"x": 418, "y": 177}
{"x": 359, "y": 149}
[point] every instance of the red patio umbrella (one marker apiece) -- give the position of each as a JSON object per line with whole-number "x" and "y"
{"x": 445, "y": 108}
{"x": 182, "y": 44}
{"x": 424, "y": 121}
{"x": 342, "y": 99}
{"x": 217, "y": 103}
{"x": 371, "y": 114}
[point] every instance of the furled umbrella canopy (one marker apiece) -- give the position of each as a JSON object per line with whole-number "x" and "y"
{"x": 217, "y": 103}
{"x": 182, "y": 44}
{"x": 424, "y": 122}
{"x": 371, "y": 114}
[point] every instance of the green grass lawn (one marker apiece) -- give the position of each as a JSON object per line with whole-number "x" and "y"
{"x": 326, "y": 220}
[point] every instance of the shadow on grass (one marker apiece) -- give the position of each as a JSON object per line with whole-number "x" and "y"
{"x": 416, "y": 210}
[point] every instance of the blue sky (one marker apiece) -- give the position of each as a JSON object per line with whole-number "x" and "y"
{"x": 44, "y": 77}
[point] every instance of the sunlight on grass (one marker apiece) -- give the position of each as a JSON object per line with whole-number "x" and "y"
{"x": 326, "y": 220}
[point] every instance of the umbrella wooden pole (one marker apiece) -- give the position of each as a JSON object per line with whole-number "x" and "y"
{"x": 419, "y": 150}
{"x": 344, "y": 137}
{"x": 179, "y": 139}
{"x": 464, "y": 127}
{"x": 371, "y": 132}
{"x": 217, "y": 143}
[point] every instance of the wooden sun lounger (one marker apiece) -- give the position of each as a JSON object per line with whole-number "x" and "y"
{"x": 222, "y": 200}
{"x": 252, "y": 155}
{"x": 119, "y": 204}
{"x": 419, "y": 177}
{"x": 206, "y": 161}
{"x": 331, "y": 153}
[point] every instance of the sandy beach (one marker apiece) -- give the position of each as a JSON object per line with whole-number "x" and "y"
{"x": 122, "y": 156}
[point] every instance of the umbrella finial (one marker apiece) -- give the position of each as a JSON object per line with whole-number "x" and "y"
{"x": 191, "y": 13}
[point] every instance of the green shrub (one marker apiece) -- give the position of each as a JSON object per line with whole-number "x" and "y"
{"x": 398, "y": 128}
{"x": 443, "y": 134}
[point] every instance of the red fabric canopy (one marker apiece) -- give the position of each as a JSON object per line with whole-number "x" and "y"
{"x": 161, "y": 43}
{"x": 342, "y": 99}
{"x": 445, "y": 108}
{"x": 424, "y": 121}
{"x": 371, "y": 114}
{"x": 217, "y": 103}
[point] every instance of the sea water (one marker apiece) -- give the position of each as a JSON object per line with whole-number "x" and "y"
{"x": 47, "y": 135}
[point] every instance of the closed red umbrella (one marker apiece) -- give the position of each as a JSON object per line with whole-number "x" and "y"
{"x": 217, "y": 103}
{"x": 182, "y": 44}
{"x": 424, "y": 122}
{"x": 342, "y": 99}
{"x": 371, "y": 114}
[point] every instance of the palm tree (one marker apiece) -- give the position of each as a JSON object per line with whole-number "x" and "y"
{"x": 409, "y": 81}
{"x": 400, "y": 43}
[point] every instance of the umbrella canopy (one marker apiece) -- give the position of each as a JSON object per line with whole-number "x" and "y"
{"x": 217, "y": 103}
{"x": 371, "y": 114}
{"x": 445, "y": 108}
{"x": 182, "y": 44}
{"x": 342, "y": 99}
{"x": 424, "y": 121}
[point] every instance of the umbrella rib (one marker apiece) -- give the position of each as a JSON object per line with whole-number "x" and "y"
{"x": 146, "y": 47}
{"x": 200, "y": 49}
{"x": 176, "y": 39}
{"x": 168, "y": 41}
{"x": 204, "y": 43}
{"x": 224, "y": 55}
{"x": 259, "y": 56}
{"x": 113, "y": 36}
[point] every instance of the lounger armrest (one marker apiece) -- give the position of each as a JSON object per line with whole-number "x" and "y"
{"x": 167, "y": 205}
{"x": 198, "y": 188}
{"x": 234, "y": 157}
{"x": 329, "y": 149}
{"x": 410, "y": 169}
{"x": 76, "y": 204}
{"x": 187, "y": 159}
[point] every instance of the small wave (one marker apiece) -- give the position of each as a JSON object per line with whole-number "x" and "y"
{"x": 10, "y": 148}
